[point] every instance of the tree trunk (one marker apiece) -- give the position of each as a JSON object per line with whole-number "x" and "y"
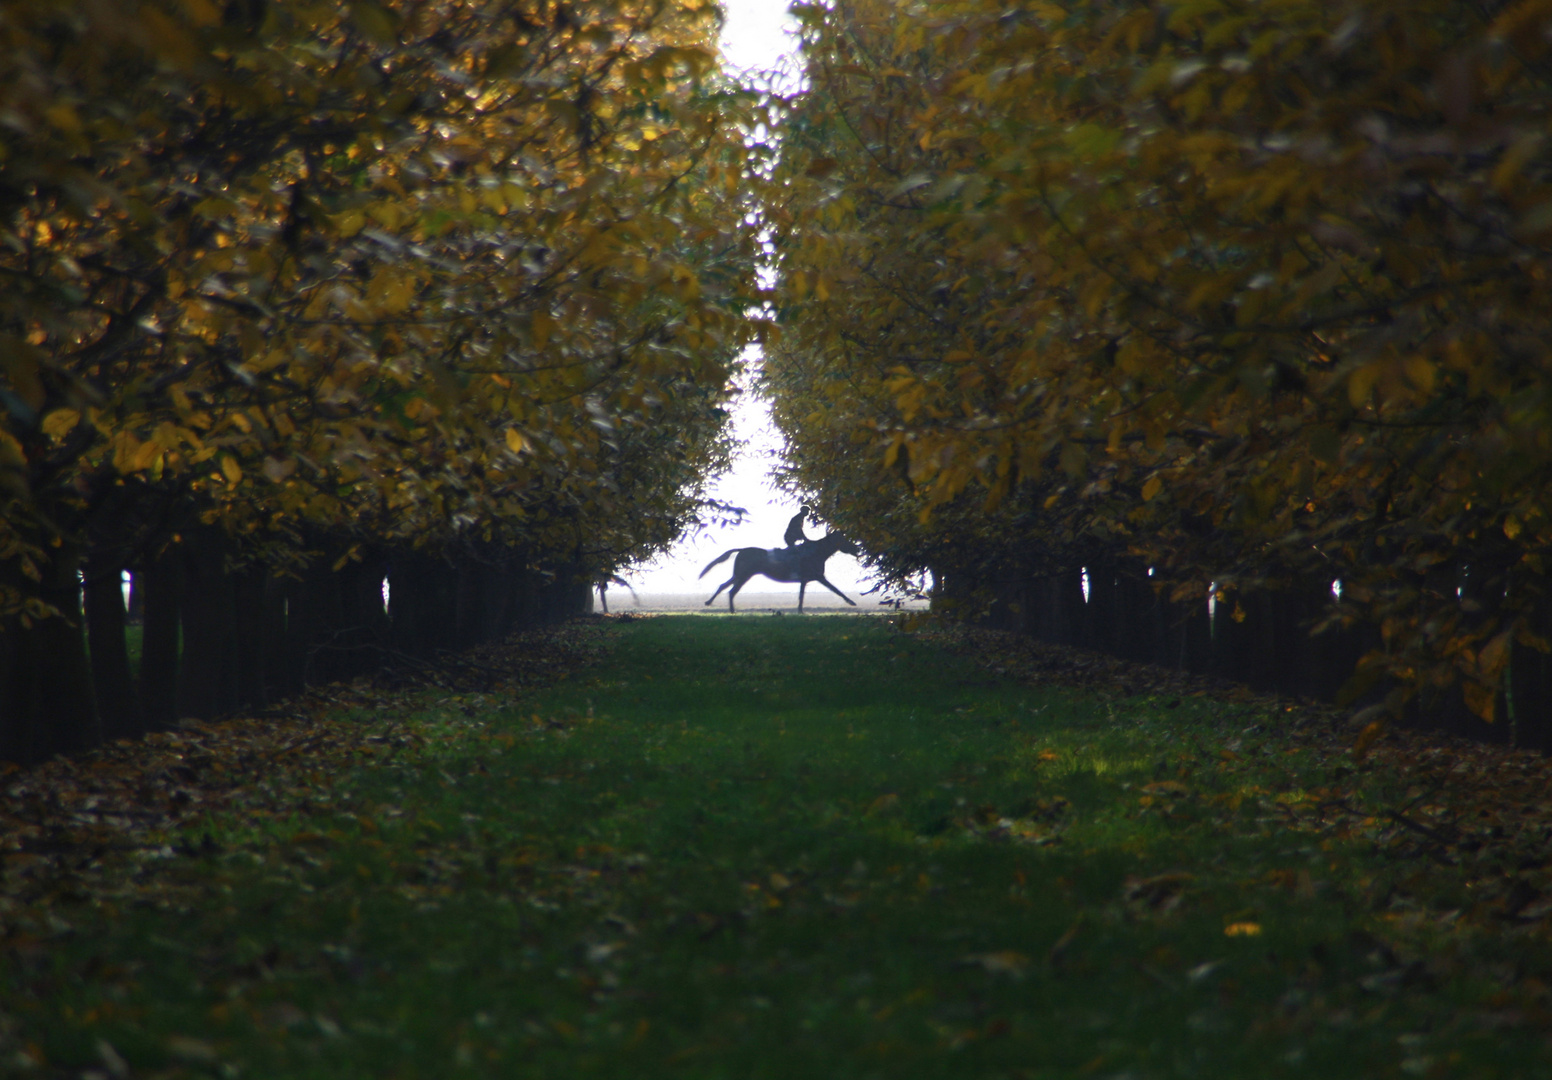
{"x": 469, "y": 610}
{"x": 1099, "y": 622}
{"x": 282, "y": 673}
{"x": 251, "y": 628}
{"x": 46, "y": 701}
{"x": 112, "y": 682}
{"x": 136, "y": 611}
{"x": 207, "y": 682}
{"x": 163, "y": 593}
{"x": 1191, "y": 644}
{"x": 1228, "y": 637}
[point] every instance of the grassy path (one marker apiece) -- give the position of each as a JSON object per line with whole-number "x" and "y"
{"x": 777, "y": 848}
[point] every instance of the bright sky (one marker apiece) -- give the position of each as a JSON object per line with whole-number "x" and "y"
{"x": 755, "y": 36}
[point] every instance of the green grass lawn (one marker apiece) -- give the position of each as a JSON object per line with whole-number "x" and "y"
{"x": 778, "y": 847}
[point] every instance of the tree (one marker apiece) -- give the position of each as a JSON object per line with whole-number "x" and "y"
{"x": 340, "y": 278}
{"x": 1249, "y": 292}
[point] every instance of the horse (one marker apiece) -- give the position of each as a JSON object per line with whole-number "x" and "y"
{"x": 800, "y": 562}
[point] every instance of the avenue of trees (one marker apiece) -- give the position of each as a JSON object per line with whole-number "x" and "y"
{"x": 1245, "y": 299}
{"x": 299, "y": 296}
{"x": 1210, "y": 333}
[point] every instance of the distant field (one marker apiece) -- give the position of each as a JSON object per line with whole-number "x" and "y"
{"x": 748, "y": 602}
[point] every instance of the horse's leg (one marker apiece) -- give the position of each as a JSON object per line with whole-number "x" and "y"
{"x": 837, "y": 592}
{"x": 738, "y": 584}
{"x": 802, "y": 587}
{"x": 718, "y": 593}
{"x": 603, "y": 597}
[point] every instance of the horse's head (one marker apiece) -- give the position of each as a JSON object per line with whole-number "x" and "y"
{"x": 841, "y": 544}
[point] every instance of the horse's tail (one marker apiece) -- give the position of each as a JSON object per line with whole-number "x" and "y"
{"x": 718, "y": 559}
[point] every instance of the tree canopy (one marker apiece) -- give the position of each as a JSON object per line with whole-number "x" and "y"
{"x": 1254, "y": 292}
{"x": 407, "y": 271}
{"x": 301, "y": 296}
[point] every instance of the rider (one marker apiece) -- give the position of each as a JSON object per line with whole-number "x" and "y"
{"x": 794, "y": 533}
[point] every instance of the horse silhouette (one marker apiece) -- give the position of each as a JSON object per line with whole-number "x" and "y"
{"x": 800, "y": 562}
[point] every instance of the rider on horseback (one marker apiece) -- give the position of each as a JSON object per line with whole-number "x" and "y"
{"x": 800, "y": 563}
{"x": 794, "y": 533}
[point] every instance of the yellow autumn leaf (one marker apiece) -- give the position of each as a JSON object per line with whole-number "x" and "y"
{"x": 1480, "y": 699}
{"x": 1360, "y": 384}
{"x": 540, "y": 323}
{"x": 1420, "y": 372}
{"x": 11, "y": 452}
{"x": 1368, "y": 737}
{"x": 60, "y": 422}
{"x": 146, "y": 457}
{"x": 126, "y": 449}
{"x": 1494, "y": 656}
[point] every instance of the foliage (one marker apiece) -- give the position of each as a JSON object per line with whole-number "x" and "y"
{"x": 751, "y": 844}
{"x": 1255, "y": 291}
{"x": 408, "y": 272}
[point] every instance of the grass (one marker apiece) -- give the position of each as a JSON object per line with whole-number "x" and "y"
{"x": 767, "y": 847}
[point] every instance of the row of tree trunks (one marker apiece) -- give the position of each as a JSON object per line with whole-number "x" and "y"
{"x": 45, "y": 679}
{"x": 1262, "y": 638}
{"x": 219, "y": 635}
{"x": 118, "y": 704}
{"x": 435, "y": 604}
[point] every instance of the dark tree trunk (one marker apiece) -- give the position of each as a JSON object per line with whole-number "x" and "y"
{"x": 1529, "y": 699}
{"x": 207, "y": 680}
{"x": 1191, "y": 643}
{"x": 112, "y": 682}
{"x": 469, "y": 610}
{"x": 1099, "y": 622}
{"x": 1263, "y": 647}
{"x": 46, "y": 701}
{"x": 163, "y": 593}
{"x": 404, "y": 602}
{"x": 1137, "y": 616}
{"x": 307, "y": 626}
{"x": 420, "y": 603}
{"x": 282, "y": 659}
{"x": 526, "y": 599}
{"x": 499, "y": 605}
{"x": 136, "y": 599}
{"x": 375, "y": 627}
{"x": 563, "y": 596}
{"x": 1229, "y": 638}
{"x": 251, "y": 627}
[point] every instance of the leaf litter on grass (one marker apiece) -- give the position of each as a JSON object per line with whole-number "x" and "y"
{"x": 301, "y": 827}
{"x": 110, "y": 829}
{"x": 1460, "y": 832}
